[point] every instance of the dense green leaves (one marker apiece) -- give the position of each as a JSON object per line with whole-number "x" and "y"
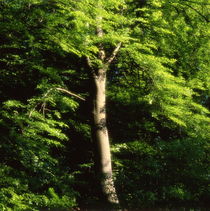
{"x": 165, "y": 173}
{"x": 158, "y": 99}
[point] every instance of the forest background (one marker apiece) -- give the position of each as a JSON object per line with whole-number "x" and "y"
{"x": 155, "y": 56}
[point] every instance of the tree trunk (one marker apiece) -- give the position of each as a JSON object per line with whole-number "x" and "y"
{"x": 101, "y": 139}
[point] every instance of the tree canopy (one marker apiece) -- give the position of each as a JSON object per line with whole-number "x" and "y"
{"x": 60, "y": 60}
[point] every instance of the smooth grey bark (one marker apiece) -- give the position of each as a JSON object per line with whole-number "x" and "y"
{"x": 103, "y": 161}
{"x": 100, "y": 137}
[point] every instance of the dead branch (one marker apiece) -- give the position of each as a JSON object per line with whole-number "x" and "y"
{"x": 70, "y": 93}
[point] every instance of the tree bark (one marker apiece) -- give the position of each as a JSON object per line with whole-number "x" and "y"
{"x": 103, "y": 164}
{"x": 100, "y": 137}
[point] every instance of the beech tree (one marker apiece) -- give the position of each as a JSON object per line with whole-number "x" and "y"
{"x": 57, "y": 48}
{"x": 98, "y": 30}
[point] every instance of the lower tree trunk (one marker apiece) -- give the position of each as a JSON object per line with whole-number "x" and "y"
{"x": 101, "y": 139}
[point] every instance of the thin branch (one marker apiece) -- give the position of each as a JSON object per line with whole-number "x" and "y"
{"x": 43, "y": 108}
{"x": 31, "y": 111}
{"x": 199, "y": 3}
{"x": 198, "y": 12}
{"x": 114, "y": 53}
{"x": 45, "y": 95}
{"x": 70, "y": 93}
{"x": 43, "y": 105}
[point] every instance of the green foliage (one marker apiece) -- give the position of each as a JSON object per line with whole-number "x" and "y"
{"x": 16, "y": 193}
{"x": 31, "y": 138}
{"x": 158, "y": 95}
{"x": 164, "y": 174}
{"x": 149, "y": 71}
{"x": 10, "y": 200}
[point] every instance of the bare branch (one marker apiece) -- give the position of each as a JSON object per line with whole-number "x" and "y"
{"x": 43, "y": 105}
{"x": 31, "y": 111}
{"x": 43, "y": 108}
{"x": 114, "y": 53}
{"x": 45, "y": 95}
{"x": 70, "y": 93}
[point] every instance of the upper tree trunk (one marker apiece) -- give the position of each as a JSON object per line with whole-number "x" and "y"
{"x": 101, "y": 139}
